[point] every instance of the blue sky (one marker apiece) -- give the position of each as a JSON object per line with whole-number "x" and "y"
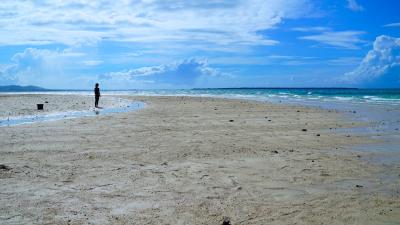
{"x": 142, "y": 44}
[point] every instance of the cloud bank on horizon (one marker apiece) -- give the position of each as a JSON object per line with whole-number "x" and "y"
{"x": 184, "y": 44}
{"x": 381, "y": 65}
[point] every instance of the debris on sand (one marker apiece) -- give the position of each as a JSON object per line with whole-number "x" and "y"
{"x": 226, "y": 221}
{"x": 304, "y": 130}
{"x": 231, "y": 120}
{"x": 4, "y": 167}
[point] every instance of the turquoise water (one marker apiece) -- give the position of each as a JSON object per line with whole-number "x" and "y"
{"x": 391, "y": 96}
{"x": 385, "y": 96}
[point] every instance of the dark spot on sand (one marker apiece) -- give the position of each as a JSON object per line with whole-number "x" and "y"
{"x": 359, "y": 186}
{"x": 304, "y": 130}
{"x": 231, "y": 120}
{"x": 318, "y": 135}
{"x": 164, "y": 163}
{"x": 226, "y": 221}
{"x": 275, "y": 151}
{"x": 4, "y": 167}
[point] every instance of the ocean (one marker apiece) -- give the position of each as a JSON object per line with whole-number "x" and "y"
{"x": 383, "y": 96}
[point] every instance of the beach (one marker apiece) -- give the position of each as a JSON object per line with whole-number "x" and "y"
{"x": 190, "y": 160}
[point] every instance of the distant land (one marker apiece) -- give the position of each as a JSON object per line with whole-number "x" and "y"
{"x": 17, "y": 88}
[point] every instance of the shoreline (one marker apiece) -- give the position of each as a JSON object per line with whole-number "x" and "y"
{"x": 194, "y": 160}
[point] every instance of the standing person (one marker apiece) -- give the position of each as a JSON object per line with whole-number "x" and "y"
{"x": 96, "y": 95}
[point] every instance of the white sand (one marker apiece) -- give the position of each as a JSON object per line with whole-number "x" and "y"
{"x": 23, "y": 105}
{"x": 181, "y": 161}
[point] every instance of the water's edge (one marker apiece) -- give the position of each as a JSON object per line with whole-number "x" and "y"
{"x": 13, "y": 121}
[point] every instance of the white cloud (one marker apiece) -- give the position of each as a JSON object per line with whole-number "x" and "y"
{"x": 288, "y": 60}
{"x": 220, "y": 22}
{"x": 7, "y": 75}
{"x": 92, "y": 62}
{"x": 43, "y": 67}
{"x": 343, "y": 39}
{"x": 392, "y": 25}
{"x": 345, "y": 61}
{"x": 66, "y": 69}
{"x": 311, "y": 29}
{"x": 187, "y": 73}
{"x": 353, "y": 5}
{"x": 380, "y": 67}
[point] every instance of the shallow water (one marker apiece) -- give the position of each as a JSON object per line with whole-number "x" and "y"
{"x": 13, "y": 121}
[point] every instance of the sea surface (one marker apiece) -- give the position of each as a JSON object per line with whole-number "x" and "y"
{"x": 290, "y": 95}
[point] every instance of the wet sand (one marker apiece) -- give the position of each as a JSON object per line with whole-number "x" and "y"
{"x": 186, "y": 160}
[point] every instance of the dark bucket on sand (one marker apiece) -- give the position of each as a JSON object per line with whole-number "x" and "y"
{"x": 39, "y": 106}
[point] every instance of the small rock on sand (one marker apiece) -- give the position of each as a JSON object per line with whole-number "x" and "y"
{"x": 226, "y": 221}
{"x": 4, "y": 167}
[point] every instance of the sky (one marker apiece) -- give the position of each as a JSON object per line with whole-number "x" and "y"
{"x": 164, "y": 44}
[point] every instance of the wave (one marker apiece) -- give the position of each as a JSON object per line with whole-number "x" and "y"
{"x": 370, "y": 96}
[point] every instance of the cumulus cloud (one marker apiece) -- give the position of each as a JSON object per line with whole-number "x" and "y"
{"x": 380, "y": 67}
{"x": 353, "y": 5}
{"x": 66, "y": 69}
{"x": 7, "y": 75}
{"x": 221, "y": 22}
{"x": 342, "y": 39}
{"x": 187, "y": 73}
{"x": 43, "y": 67}
{"x": 23, "y": 63}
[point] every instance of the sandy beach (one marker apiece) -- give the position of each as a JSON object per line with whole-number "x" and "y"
{"x": 190, "y": 160}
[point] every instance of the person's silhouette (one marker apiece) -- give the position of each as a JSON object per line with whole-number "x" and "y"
{"x": 96, "y": 95}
